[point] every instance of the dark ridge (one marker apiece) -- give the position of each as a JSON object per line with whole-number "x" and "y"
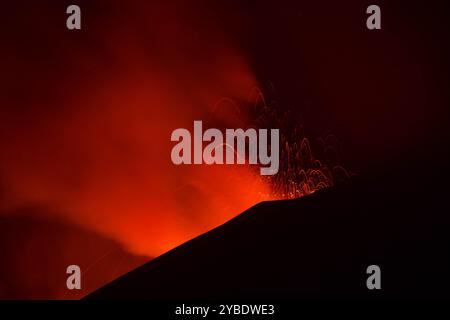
{"x": 36, "y": 247}
{"x": 317, "y": 246}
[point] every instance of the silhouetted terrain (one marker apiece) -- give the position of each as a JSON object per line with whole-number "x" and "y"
{"x": 315, "y": 247}
{"x": 36, "y": 248}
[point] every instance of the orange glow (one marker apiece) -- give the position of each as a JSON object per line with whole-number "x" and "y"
{"x": 99, "y": 156}
{"x": 85, "y": 133}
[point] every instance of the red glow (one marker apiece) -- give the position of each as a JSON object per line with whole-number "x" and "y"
{"x": 86, "y": 127}
{"x": 100, "y": 155}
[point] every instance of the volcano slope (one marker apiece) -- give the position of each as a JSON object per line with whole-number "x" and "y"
{"x": 317, "y": 246}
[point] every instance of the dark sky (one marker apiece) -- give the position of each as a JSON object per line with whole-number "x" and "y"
{"x": 380, "y": 92}
{"x": 383, "y": 93}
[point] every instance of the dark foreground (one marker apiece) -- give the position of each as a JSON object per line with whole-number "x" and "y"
{"x": 314, "y": 247}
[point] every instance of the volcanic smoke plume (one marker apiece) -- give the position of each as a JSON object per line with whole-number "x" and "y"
{"x": 87, "y": 118}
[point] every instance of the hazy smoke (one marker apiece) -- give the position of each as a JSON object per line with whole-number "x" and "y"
{"x": 87, "y": 119}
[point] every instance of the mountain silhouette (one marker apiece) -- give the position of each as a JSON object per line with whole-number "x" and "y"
{"x": 318, "y": 246}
